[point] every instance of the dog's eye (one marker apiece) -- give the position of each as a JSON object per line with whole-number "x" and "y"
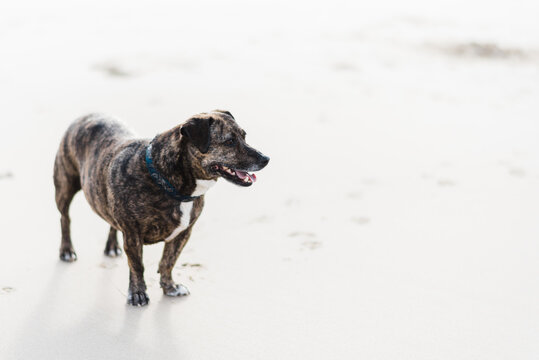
{"x": 230, "y": 142}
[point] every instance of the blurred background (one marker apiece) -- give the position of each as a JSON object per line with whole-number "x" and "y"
{"x": 397, "y": 218}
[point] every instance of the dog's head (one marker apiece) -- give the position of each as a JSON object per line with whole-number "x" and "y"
{"x": 218, "y": 144}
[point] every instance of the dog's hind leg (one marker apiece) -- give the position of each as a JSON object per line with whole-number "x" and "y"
{"x": 66, "y": 187}
{"x": 112, "y": 249}
{"x": 171, "y": 252}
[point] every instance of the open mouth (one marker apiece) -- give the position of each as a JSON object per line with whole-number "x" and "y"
{"x": 238, "y": 177}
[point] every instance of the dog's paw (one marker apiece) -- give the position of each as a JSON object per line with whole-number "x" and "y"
{"x": 138, "y": 298}
{"x": 176, "y": 290}
{"x": 113, "y": 252}
{"x": 68, "y": 255}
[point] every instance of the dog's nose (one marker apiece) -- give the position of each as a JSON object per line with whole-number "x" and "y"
{"x": 264, "y": 160}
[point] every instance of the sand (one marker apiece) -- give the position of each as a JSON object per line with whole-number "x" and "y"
{"x": 397, "y": 218}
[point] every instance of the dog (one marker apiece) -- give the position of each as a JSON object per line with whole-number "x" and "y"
{"x": 150, "y": 191}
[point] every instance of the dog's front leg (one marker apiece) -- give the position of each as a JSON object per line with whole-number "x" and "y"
{"x": 137, "y": 287}
{"x": 171, "y": 252}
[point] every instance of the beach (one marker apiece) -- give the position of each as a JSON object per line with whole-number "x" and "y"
{"x": 397, "y": 218}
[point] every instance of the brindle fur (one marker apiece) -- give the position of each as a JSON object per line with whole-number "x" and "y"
{"x": 100, "y": 156}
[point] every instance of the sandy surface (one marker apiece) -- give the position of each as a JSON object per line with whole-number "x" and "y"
{"x": 398, "y": 218}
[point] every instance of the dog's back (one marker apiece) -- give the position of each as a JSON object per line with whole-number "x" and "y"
{"x": 85, "y": 153}
{"x": 89, "y": 135}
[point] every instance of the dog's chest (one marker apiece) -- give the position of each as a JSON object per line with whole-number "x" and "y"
{"x": 186, "y": 208}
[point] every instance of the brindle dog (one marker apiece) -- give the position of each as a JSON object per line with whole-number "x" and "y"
{"x": 150, "y": 191}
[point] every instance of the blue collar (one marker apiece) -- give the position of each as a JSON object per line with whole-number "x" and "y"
{"x": 162, "y": 182}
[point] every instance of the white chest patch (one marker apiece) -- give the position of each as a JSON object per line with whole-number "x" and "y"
{"x": 185, "y": 219}
{"x": 203, "y": 186}
{"x": 186, "y": 207}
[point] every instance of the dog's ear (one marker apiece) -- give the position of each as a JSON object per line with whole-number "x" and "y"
{"x": 198, "y": 132}
{"x": 224, "y": 112}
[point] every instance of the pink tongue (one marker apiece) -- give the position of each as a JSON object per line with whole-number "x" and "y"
{"x": 242, "y": 175}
